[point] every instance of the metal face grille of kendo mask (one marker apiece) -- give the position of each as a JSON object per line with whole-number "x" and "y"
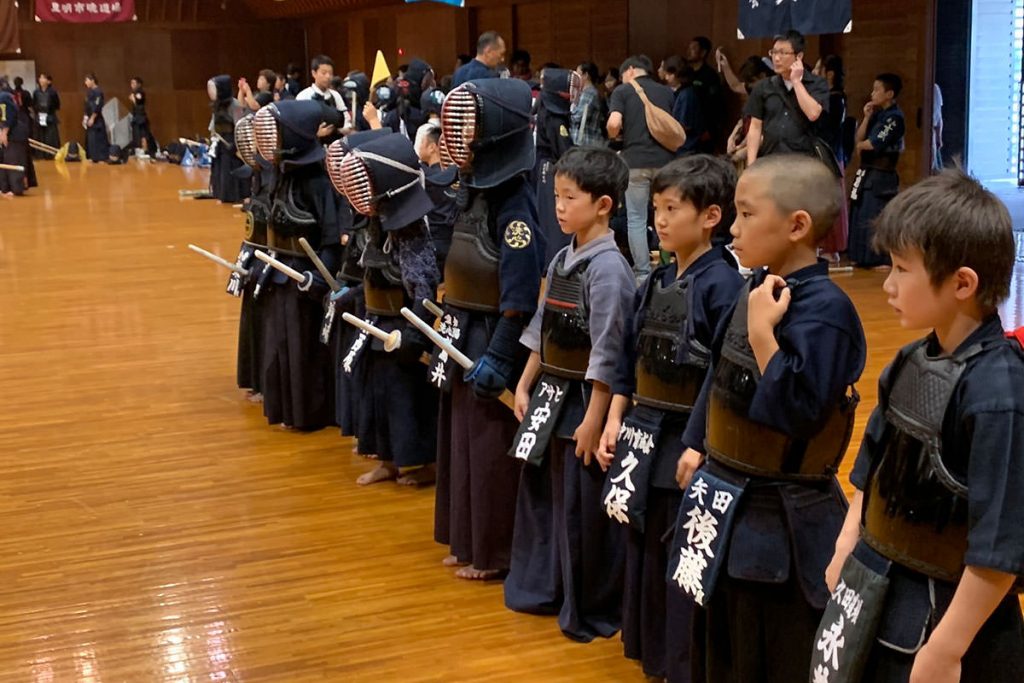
{"x": 459, "y": 126}
{"x": 336, "y": 153}
{"x": 245, "y": 140}
{"x": 268, "y": 137}
{"x": 575, "y": 87}
{"x": 357, "y": 185}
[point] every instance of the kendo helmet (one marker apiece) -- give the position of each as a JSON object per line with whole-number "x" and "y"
{"x": 245, "y": 140}
{"x": 357, "y": 85}
{"x": 383, "y": 178}
{"x": 286, "y": 131}
{"x": 431, "y": 102}
{"x": 219, "y": 88}
{"x": 560, "y": 90}
{"x": 418, "y": 77}
{"x": 340, "y": 148}
{"x": 486, "y": 131}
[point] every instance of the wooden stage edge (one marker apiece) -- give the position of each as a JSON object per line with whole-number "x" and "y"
{"x": 156, "y": 529}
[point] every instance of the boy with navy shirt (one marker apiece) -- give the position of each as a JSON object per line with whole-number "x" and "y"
{"x": 575, "y": 339}
{"x": 933, "y": 542}
{"x": 662, "y": 367}
{"x": 879, "y": 140}
{"x": 773, "y": 419}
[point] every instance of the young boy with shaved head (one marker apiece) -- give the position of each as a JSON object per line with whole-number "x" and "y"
{"x": 762, "y": 505}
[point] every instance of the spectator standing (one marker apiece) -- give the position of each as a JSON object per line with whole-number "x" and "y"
{"x": 641, "y": 152}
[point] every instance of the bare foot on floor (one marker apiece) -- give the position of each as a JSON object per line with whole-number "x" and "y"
{"x": 253, "y": 397}
{"x": 421, "y": 476}
{"x": 452, "y": 561}
{"x": 471, "y": 573}
{"x": 382, "y": 472}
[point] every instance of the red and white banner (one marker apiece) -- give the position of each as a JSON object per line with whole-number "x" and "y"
{"x": 79, "y": 12}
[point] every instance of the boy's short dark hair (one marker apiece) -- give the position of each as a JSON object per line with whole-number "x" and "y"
{"x": 794, "y": 38}
{"x": 891, "y": 82}
{"x": 638, "y": 62}
{"x": 704, "y": 42}
{"x": 800, "y": 182}
{"x": 321, "y": 60}
{"x": 137, "y": 79}
{"x": 701, "y": 179}
{"x": 954, "y": 222}
{"x": 597, "y": 171}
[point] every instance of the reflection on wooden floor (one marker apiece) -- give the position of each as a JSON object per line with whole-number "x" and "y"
{"x": 156, "y": 529}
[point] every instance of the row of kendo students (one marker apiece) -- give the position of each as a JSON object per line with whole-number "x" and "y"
{"x": 714, "y": 563}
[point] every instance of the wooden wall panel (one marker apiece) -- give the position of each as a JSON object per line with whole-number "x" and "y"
{"x": 534, "y": 32}
{"x": 497, "y": 18}
{"x": 609, "y": 32}
{"x": 571, "y": 31}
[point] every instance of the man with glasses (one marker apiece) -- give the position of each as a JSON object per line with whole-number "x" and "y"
{"x": 783, "y": 109}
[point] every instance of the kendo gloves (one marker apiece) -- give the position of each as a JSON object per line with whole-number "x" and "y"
{"x": 490, "y": 375}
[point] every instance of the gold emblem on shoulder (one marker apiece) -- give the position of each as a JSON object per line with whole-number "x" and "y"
{"x": 518, "y": 235}
{"x": 250, "y": 225}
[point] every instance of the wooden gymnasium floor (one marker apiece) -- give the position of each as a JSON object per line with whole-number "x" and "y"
{"x": 154, "y": 528}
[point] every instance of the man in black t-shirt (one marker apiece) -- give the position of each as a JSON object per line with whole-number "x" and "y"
{"x": 783, "y": 109}
{"x": 642, "y": 153}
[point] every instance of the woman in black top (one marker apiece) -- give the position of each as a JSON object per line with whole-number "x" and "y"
{"x": 46, "y": 103}
{"x": 142, "y": 136}
{"x": 97, "y": 145}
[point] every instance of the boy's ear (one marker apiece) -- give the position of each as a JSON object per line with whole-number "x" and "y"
{"x": 801, "y": 226}
{"x": 965, "y": 283}
{"x": 712, "y": 217}
{"x": 604, "y": 205}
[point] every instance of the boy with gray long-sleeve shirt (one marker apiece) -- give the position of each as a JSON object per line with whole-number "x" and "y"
{"x": 567, "y": 557}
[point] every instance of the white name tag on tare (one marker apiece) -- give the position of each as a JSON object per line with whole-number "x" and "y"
{"x": 42, "y": 119}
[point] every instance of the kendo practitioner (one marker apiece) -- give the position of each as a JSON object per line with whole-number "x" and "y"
{"x": 248, "y": 288}
{"x": 756, "y": 525}
{"x": 354, "y": 415}
{"x": 492, "y": 281}
{"x": 575, "y": 340}
{"x": 225, "y": 184}
{"x": 406, "y": 116}
{"x": 46, "y": 103}
{"x": 382, "y": 179}
{"x": 430, "y": 104}
{"x": 930, "y": 559}
{"x": 355, "y": 91}
{"x": 24, "y": 130}
{"x": 12, "y": 183}
{"x": 96, "y": 142}
{"x": 559, "y": 90}
{"x": 441, "y": 219}
{"x": 142, "y": 136}
{"x": 879, "y": 140}
{"x": 665, "y": 357}
{"x": 297, "y": 381}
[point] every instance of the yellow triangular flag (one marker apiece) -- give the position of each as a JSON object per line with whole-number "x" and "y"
{"x": 381, "y": 72}
{"x": 62, "y": 154}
